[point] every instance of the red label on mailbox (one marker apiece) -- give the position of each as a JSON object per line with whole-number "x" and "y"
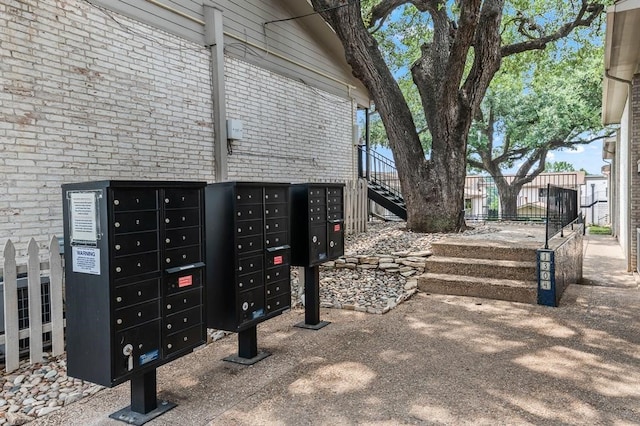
{"x": 185, "y": 281}
{"x": 277, "y": 260}
{"x": 336, "y": 228}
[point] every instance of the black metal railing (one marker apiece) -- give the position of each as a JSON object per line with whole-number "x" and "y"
{"x": 379, "y": 170}
{"x": 562, "y": 210}
{"x": 482, "y": 199}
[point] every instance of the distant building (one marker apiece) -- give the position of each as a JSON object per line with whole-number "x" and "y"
{"x": 482, "y": 200}
{"x": 594, "y": 200}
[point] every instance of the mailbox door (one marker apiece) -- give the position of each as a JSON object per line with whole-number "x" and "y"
{"x": 318, "y": 244}
{"x": 335, "y": 232}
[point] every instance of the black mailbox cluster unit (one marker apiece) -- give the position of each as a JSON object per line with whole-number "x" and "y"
{"x": 317, "y": 223}
{"x": 317, "y": 229}
{"x": 134, "y": 254}
{"x": 248, "y": 256}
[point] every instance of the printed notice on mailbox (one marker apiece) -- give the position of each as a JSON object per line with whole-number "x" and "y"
{"x": 86, "y": 260}
{"x": 83, "y": 219}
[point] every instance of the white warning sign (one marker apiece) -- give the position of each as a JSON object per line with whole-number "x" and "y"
{"x": 86, "y": 260}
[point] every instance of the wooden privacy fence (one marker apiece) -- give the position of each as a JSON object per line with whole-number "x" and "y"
{"x": 356, "y": 206}
{"x": 16, "y": 312}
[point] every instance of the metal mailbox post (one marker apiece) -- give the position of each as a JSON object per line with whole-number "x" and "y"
{"x": 134, "y": 260}
{"x": 317, "y": 229}
{"x": 248, "y": 259}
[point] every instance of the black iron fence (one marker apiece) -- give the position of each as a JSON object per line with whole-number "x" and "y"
{"x": 482, "y": 199}
{"x": 562, "y": 210}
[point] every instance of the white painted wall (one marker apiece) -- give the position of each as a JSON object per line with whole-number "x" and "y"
{"x": 622, "y": 158}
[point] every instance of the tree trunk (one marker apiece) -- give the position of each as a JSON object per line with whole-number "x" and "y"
{"x": 433, "y": 189}
{"x": 509, "y": 201}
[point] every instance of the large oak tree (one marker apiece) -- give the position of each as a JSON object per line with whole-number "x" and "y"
{"x": 462, "y": 50}
{"x": 553, "y": 103}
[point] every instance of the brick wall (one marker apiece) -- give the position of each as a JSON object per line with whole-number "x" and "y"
{"x": 634, "y": 179}
{"x": 87, "y": 94}
{"x": 292, "y": 132}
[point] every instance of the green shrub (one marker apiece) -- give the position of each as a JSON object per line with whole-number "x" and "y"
{"x": 600, "y": 230}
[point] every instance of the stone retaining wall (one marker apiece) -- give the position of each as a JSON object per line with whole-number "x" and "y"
{"x": 406, "y": 263}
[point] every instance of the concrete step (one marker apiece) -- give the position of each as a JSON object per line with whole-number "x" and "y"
{"x": 488, "y": 288}
{"x": 484, "y": 268}
{"x": 522, "y": 252}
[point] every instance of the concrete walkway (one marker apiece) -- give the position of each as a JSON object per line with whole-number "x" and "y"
{"x": 435, "y": 359}
{"x": 604, "y": 263}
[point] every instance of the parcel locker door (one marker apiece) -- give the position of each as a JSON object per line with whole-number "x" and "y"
{"x": 318, "y": 244}
{"x": 135, "y": 348}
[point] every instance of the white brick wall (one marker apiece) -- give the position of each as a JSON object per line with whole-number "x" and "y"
{"x": 83, "y": 97}
{"x": 292, "y": 132}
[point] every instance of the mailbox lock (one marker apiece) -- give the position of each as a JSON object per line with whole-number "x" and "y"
{"x": 117, "y": 246}
{"x": 117, "y": 224}
{"x": 128, "y": 352}
{"x": 168, "y": 260}
{"x": 118, "y": 269}
{"x": 245, "y": 306}
{"x": 116, "y": 202}
{"x": 167, "y": 220}
{"x": 166, "y": 200}
{"x": 118, "y": 299}
{"x": 168, "y": 306}
{"x": 168, "y": 240}
{"x": 119, "y": 321}
{"x": 168, "y": 326}
{"x": 331, "y": 244}
{"x": 314, "y": 239}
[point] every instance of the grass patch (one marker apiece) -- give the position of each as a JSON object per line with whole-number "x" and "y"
{"x": 599, "y": 230}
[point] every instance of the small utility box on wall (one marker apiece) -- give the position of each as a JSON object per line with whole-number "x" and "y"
{"x": 234, "y": 129}
{"x": 134, "y": 259}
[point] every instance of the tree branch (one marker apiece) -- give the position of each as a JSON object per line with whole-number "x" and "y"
{"x": 381, "y": 11}
{"x": 588, "y": 12}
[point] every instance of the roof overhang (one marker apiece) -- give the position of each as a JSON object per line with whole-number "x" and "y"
{"x": 609, "y": 149}
{"x": 621, "y": 57}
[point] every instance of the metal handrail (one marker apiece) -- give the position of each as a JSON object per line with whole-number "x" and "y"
{"x": 382, "y": 171}
{"x": 562, "y": 210}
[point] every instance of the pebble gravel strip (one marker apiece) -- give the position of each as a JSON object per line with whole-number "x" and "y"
{"x": 35, "y": 390}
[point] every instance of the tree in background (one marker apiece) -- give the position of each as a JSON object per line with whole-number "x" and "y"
{"x": 552, "y": 101}
{"x": 455, "y": 49}
{"x": 559, "y": 167}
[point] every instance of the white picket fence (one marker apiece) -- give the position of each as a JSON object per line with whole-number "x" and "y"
{"x": 34, "y": 269}
{"x": 356, "y": 206}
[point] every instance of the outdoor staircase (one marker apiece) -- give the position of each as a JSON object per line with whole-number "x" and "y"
{"x": 382, "y": 181}
{"x": 387, "y": 198}
{"x": 492, "y": 270}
